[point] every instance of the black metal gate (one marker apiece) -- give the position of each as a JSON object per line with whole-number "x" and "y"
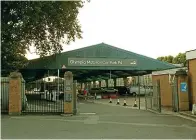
{"x": 4, "y": 94}
{"x": 44, "y": 96}
{"x": 153, "y": 100}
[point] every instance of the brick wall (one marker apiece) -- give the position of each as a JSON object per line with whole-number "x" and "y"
{"x": 165, "y": 88}
{"x": 192, "y": 76}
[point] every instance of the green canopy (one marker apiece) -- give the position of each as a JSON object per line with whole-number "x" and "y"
{"x": 98, "y": 57}
{"x": 95, "y": 60}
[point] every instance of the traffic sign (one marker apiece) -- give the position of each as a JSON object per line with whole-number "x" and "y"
{"x": 183, "y": 87}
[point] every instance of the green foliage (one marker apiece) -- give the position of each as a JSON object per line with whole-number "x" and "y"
{"x": 169, "y": 59}
{"x": 161, "y": 58}
{"x": 179, "y": 59}
{"x": 42, "y": 24}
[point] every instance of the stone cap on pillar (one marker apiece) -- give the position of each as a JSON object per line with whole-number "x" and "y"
{"x": 14, "y": 75}
{"x": 68, "y": 74}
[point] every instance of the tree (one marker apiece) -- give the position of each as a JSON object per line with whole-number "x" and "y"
{"x": 43, "y": 24}
{"x": 161, "y": 58}
{"x": 170, "y": 59}
{"x": 179, "y": 59}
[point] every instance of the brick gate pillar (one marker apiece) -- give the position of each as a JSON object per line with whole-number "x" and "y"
{"x": 15, "y": 89}
{"x": 68, "y": 93}
{"x": 183, "y": 96}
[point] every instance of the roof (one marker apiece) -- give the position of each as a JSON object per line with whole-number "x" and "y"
{"x": 179, "y": 65}
{"x": 191, "y": 50}
{"x": 169, "y": 71}
{"x": 191, "y": 55}
{"x": 100, "y": 52}
{"x": 94, "y": 62}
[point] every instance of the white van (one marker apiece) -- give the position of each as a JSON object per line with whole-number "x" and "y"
{"x": 135, "y": 91}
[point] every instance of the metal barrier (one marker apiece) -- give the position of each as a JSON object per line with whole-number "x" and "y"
{"x": 4, "y": 94}
{"x": 153, "y": 99}
{"x": 44, "y": 97}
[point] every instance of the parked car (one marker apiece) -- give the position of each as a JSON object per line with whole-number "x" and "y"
{"x": 110, "y": 90}
{"x": 143, "y": 90}
{"x": 98, "y": 91}
{"x": 122, "y": 90}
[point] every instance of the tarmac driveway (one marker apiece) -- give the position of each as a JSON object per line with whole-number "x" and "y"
{"x": 96, "y": 121}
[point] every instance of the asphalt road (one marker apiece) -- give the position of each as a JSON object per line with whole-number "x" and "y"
{"x": 98, "y": 121}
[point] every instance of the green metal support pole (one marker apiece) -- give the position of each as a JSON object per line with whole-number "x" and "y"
{"x": 99, "y": 84}
{"x": 139, "y": 89}
{"x": 45, "y": 83}
{"x": 58, "y": 90}
{"x": 106, "y": 83}
{"x": 145, "y": 95}
{"x": 114, "y": 82}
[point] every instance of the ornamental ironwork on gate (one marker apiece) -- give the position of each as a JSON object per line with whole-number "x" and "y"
{"x": 44, "y": 96}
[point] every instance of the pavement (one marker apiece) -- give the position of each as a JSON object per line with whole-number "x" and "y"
{"x": 98, "y": 121}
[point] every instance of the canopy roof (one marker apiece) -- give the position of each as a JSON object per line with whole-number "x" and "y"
{"x": 99, "y": 51}
{"x": 95, "y": 60}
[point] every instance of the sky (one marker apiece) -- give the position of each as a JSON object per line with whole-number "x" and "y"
{"x": 149, "y": 27}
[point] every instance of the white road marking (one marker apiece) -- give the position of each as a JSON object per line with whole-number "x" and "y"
{"x": 126, "y": 123}
{"x": 87, "y": 113}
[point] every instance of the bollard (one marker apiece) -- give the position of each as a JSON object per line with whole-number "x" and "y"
{"x": 118, "y": 102}
{"x": 110, "y": 100}
{"x": 125, "y": 103}
{"x": 135, "y": 103}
